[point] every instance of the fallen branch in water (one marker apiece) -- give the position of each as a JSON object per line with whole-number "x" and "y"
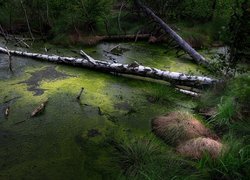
{"x": 10, "y": 60}
{"x": 39, "y": 109}
{"x": 80, "y": 94}
{"x": 174, "y": 78}
{"x": 21, "y": 41}
{"x": 7, "y": 112}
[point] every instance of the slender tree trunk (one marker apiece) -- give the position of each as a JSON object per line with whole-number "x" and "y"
{"x": 181, "y": 42}
{"x": 119, "y": 17}
{"x": 27, "y": 20}
{"x": 213, "y": 10}
{"x": 3, "y": 34}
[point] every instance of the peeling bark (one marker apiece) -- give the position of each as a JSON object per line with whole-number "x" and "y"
{"x": 175, "y": 78}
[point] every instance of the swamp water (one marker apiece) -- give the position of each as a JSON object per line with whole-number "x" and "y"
{"x": 69, "y": 140}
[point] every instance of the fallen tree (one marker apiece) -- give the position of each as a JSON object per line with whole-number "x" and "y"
{"x": 126, "y": 37}
{"x": 93, "y": 40}
{"x": 181, "y": 42}
{"x": 174, "y": 78}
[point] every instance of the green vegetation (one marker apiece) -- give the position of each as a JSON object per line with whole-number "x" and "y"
{"x": 148, "y": 158}
{"x": 232, "y": 123}
{"x": 233, "y": 164}
{"x": 124, "y": 127}
{"x": 58, "y": 19}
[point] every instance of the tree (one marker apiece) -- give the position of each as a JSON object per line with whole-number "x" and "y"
{"x": 239, "y": 36}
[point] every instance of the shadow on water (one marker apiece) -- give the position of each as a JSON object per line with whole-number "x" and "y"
{"x": 48, "y": 74}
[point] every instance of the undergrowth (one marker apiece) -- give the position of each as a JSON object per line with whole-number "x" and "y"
{"x": 232, "y": 123}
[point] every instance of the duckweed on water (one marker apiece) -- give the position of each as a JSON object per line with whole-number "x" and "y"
{"x": 71, "y": 139}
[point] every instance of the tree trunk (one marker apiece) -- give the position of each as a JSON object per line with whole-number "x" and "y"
{"x": 133, "y": 69}
{"x": 213, "y": 10}
{"x": 182, "y": 43}
{"x": 27, "y": 20}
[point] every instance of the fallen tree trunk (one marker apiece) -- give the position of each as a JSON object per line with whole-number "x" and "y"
{"x": 127, "y": 37}
{"x": 133, "y": 69}
{"x": 17, "y": 37}
{"x": 93, "y": 40}
{"x": 181, "y": 42}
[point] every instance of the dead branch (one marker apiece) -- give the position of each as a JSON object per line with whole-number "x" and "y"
{"x": 39, "y": 109}
{"x": 10, "y": 59}
{"x": 80, "y": 94}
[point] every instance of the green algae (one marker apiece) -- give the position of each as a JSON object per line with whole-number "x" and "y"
{"x": 55, "y": 144}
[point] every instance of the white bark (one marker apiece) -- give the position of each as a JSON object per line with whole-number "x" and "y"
{"x": 175, "y": 78}
{"x": 187, "y": 92}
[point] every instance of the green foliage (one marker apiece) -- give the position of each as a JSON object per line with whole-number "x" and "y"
{"x": 60, "y": 15}
{"x": 136, "y": 154}
{"x": 81, "y": 15}
{"x": 226, "y": 112}
{"x": 231, "y": 102}
{"x": 233, "y": 164}
{"x": 239, "y": 88}
{"x": 148, "y": 158}
{"x": 197, "y": 9}
{"x": 212, "y": 96}
{"x": 161, "y": 93}
{"x": 237, "y": 38}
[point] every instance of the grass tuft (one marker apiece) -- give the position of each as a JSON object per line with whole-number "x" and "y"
{"x": 149, "y": 158}
{"x": 232, "y": 164}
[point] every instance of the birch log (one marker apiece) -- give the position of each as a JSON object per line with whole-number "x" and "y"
{"x": 175, "y": 78}
{"x": 181, "y": 42}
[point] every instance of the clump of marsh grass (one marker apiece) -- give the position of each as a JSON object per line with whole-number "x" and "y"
{"x": 231, "y": 104}
{"x": 157, "y": 92}
{"x": 226, "y": 111}
{"x": 233, "y": 163}
{"x": 134, "y": 155}
{"x": 198, "y": 147}
{"x": 178, "y": 127}
{"x": 149, "y": 158}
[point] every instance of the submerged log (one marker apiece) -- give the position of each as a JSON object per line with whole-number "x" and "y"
{"x": 175, "y": 78}
{"x": 7, "y": 112}
{"x": 39, "y": 109}
{"x": 181, "y": 42}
